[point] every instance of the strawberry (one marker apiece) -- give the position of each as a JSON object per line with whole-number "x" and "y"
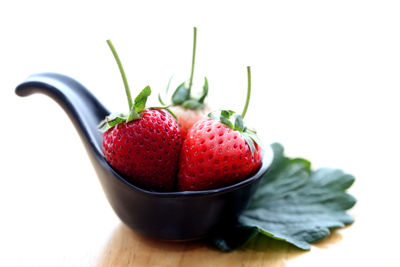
{"x": 143, "y": 145}
{"x": 187, "y": 108}
{"x": 146, "y": 150}
{"x": 219, "y": 151}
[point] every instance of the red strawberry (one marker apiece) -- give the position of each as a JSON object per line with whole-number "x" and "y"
{"x": 187, "y": 108}
{"x": 144, "y": 145}
{"x": 214, "y": 155}
{"x": 219, "y": 151}
{"x": 146, "y": 150}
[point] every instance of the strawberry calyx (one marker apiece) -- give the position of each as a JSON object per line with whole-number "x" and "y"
{"x": 182, "y": 95}
{"x": 135, "y": 108}
{"x": 235, "y": 121}
{"x": 134, "y": 114}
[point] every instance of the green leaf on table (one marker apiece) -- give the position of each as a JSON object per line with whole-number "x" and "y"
{"x": 294, "y": 204}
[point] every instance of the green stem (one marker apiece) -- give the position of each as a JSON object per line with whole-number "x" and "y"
{"x": 248, "y": 92}
{"x": 121, "y": 70}
{"x": 193, "y": 58}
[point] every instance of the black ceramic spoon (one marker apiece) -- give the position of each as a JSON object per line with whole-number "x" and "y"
{"x": 168, "y": 216}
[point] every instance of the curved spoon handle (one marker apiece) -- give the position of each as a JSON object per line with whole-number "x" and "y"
{"x": 82, "y": 107}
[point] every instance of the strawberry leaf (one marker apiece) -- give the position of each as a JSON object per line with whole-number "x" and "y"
{"x": 180, "y": 95}
{"x": 294, "y": 204}
{"x": 192, "y": 104}
{"x": 110, "y": 121}
{"x": 239, "y": 123}
{"x": 161, "y": 100}
{"x": 227, "y": 113}
{"x": 226, "y": 121}
{"x": 133, "y": 115}
{"x": 205, "y": 91}
{"x": 253, "y": 136}
{"x": 173, "y": 114}
{"x": 166, "y": 91}
{"x": 250, "y": 142}
{"x": 212, "y": 116}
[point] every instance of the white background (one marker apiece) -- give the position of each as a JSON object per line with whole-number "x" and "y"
{"x": 326, "y": 77}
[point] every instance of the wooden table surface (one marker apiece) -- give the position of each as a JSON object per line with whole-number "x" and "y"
{"x": 325, "y": 85}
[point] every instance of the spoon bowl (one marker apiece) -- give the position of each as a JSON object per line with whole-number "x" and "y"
{"x": 177, "y": 216}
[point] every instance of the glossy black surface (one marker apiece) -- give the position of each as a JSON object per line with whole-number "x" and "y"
{"x": 168, "y": 216}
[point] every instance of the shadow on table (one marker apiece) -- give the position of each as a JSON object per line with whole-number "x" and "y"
{"x": 126, "y": 247}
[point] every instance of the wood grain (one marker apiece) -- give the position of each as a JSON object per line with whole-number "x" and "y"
{"x": 126, "y": 247}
